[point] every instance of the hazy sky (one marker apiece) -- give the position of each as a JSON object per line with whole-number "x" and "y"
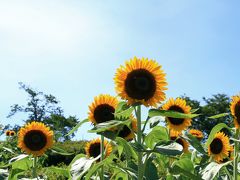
{"x": 71, "y": 49}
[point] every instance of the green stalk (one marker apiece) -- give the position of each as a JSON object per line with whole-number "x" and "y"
{"x": 102, "y": 157}
{"x": 236, "y": 156}
{"x": 139, "y": 140}
{"x": 34, "y": 167}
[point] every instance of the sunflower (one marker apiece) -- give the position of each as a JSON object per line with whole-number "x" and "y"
{"x": 102, "y": 108}
{"x": 93, "y": 148}
{"x": 178, "y": 105}
{"x": 219, "y": 147}
{"x": 235, "y": 110}
{"x": 175, "y": 136}
{"x": 196, "y": 133}
{"x": 7, "y": 133}
{"x": 12, "y": 133}
{"x": 230, "y": 156}
{"x": 128, "y": 133}
{"x": 141, "y": 80}
{"x": 35, "y": 138}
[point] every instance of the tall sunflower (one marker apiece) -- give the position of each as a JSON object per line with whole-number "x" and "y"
{"x": 93, "y": 148}
{"x": 35, "y": 138}
{"x": 219, "y": 148}
{"x": 196, "y": 133}
{"x": 175, "y": 136}
{"x": 128, "y": 133}
{"x": 141, "y": 80}
{"x": 178, "y": 105}
{"x": 102, "y": 109}
{"x": 7, "y": 133}
{"x": 235, "y": 110}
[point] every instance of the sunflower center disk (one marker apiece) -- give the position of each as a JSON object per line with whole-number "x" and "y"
{"x": 95, "y": 150}
{"x": 35, "y": 140}
{"x": 216, "y": 146}
{"x": 237, "y": 112}
{"x": 104, "y": 113}
{"x": 124, "y": 132}
{"x": 176, "y": 121}
{"x": 140, "y": 84}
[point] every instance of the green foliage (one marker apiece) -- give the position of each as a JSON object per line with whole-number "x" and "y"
{"x": 217, "y": 104}
{"x": 69, "y": 150}
{"x": 44, "y": 108}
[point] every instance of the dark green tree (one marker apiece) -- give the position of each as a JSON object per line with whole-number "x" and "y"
{"x": 217, "y": 104}
{"x": 44, "y": 108}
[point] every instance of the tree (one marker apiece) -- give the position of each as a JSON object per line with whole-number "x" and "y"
{"x": 217, "y": 104}
{"x": 44, "y": 108}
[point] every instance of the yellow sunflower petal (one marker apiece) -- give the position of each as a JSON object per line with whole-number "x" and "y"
{"x": 178, "y": 105}
{"x": 35, "y": 138}
{"x": 141, "y": 80}
{"x": 93, "y": 148}
{"x": 219, "y": 147}
{"x": 235, "y": 110}
{"x": 102, "y": 108}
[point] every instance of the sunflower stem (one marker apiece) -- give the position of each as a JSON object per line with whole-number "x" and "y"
{"x": 236, "y": 156}
{"x": 139, "y": 140}
{"x": 102, "y": 157}
{"x": 35, "y": 167}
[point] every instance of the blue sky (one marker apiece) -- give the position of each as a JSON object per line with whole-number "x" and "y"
{"x": 71, "y": 49}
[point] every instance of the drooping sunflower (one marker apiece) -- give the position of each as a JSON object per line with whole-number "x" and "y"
{"x": 175, "y": 136}
{"x": 141, "y": 80}
{"x": 128, "y": 133}
{"x": 12, "y": 133}
{"x": 235, "y": 110}
{"x": 93, "y": 148}
{"x": 102, "y": 109}
{"x": 35, "y": 138}
{"x": 7, "y": 133}
{"x": 196, "y": 133}
{"x": 219, "y": 148}
{"x": 178, "y": 105}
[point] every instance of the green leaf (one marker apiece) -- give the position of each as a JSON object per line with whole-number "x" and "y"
{"x": 77, "y": 126}
{"x": 121, "y": 106}
{"x": 168, "y": 148}
{"x": 19, "y": 167}
{"x": 108, "y": 125}
{"x": 76, "y": 158}
{"x": 214, "y": 130}
{"x": 81, "y": 166}
{"x": 60, "y": 151}
{"x": 151, "y": 172}
{"x": 218, "y": 116}
{"x": 98, "y": 165}
{"x": 127, "y": 148}
{"x": 153, "y": 121}
{"x": 124, "y": 113}
{"x": 158, "y": 133}
{"x": 211, "y": 170}
{"x": 168, "y": 113}
{"x": 108, "y": 134}
{"x": 194, "y": 110}
{"x": 60, "y": 171}
{"x": 185, "y": 167}
{"x": 195, "y": 143}
{"x": 9, "y": 150}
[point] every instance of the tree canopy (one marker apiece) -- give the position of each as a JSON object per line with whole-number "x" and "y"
{"x": 217, "y": 104}
{"x": 44, "y": 108}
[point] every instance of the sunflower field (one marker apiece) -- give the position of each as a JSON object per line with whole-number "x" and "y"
{"x": 161, "y": 146}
